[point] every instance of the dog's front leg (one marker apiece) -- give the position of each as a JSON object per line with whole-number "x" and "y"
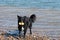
{"x": 25, "y": 30}
{"x": 19, "y": 31}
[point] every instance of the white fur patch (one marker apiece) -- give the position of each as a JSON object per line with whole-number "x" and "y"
{"x": 22, "y": 28}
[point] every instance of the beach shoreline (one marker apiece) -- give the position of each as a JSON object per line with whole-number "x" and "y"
{"x": 48, "y": 20}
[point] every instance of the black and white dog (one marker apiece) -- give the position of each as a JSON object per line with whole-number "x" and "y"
{"x": 25, "y": 22}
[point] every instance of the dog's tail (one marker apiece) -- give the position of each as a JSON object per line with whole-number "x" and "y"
{"x": 33, "y": 17}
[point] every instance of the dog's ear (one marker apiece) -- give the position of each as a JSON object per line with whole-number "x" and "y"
{"x": 33, "y": 17}
{"x": 19, "y": 17}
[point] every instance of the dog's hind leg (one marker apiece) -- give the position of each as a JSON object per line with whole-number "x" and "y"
{"x": 30, "y": 31}
{"x": 30, "y": 27}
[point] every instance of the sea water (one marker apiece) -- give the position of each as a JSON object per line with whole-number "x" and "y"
{"x": 45, "y": 4}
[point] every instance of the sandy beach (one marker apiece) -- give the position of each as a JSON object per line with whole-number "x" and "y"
{"x": 47, "y": 22}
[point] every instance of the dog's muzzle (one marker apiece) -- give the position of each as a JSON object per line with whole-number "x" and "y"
{"x": 21, "y": 23}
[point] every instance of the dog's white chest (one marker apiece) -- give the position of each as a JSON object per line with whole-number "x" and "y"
{"x": 22, "y": 28}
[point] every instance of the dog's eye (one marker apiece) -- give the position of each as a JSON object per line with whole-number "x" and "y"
{"x": 21, "y": 23}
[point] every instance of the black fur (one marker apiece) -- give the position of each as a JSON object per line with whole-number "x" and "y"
{"x": 27, "y": 23}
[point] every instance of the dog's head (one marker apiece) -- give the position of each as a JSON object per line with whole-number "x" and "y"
{"x": 20, "y": 20}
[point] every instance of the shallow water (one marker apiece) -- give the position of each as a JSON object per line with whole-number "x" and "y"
{"x": 45, "y": 18}
{"x": 47, "y": 22}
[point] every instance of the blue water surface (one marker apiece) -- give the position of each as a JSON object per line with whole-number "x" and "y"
{"x": 45, "y": 4}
